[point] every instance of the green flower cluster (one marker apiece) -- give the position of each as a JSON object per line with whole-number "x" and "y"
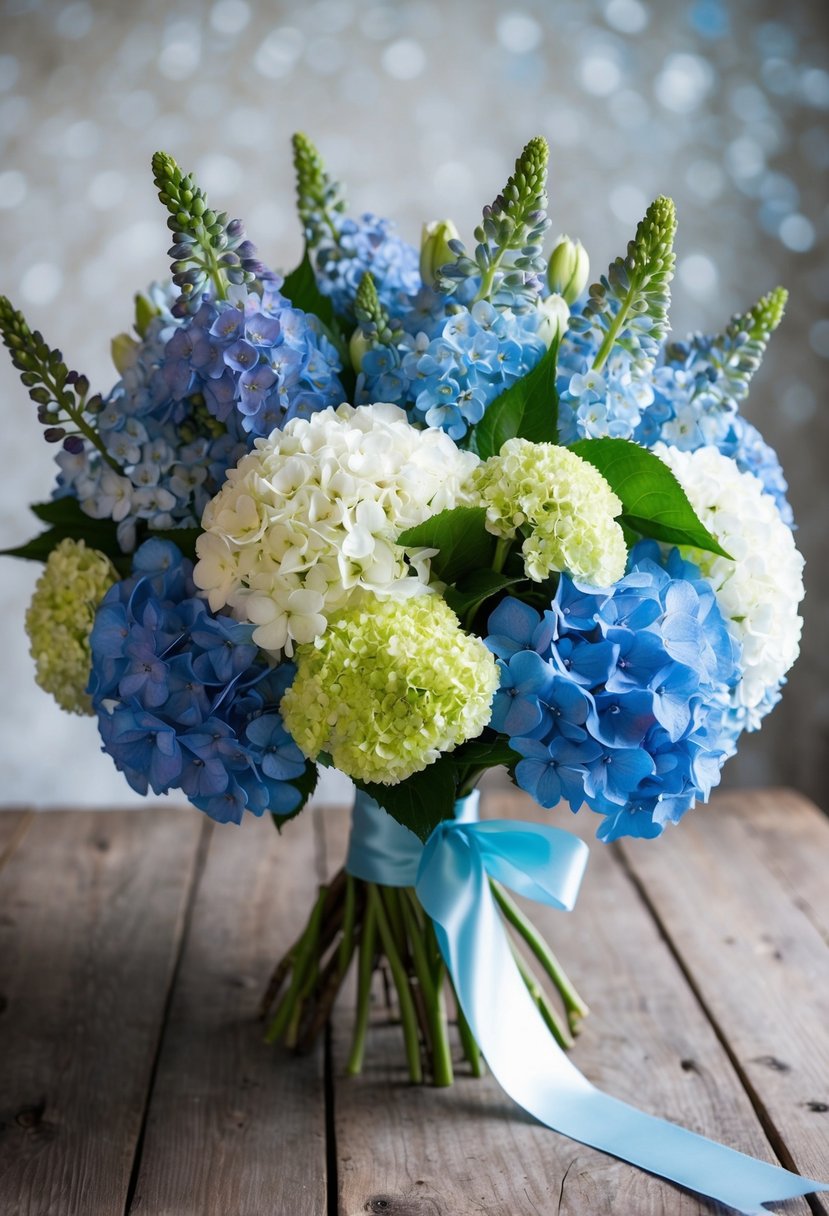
{"x": 388, "y": 687}
{"x": 561, "y": 504}
{"x": 60, "y": 618}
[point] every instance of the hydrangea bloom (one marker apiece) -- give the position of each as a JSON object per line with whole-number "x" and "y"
{"x": 312, "y": 517}
{"x": 193, "y": 395}
{"x": 760, "y": 590}
{"x": 184, "y": 698}
{"x": 452, "y": 361}
{"x": 688, "y": 400}
{"x": 563, "y": 505}
{"x": 368, "y": 244}
{"x": 614, "y": 698}
{"x": 59, "y": 619}
{"x": 390, "y": 686}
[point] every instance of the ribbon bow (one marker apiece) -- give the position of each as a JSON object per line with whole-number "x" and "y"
{"x": 451, "y": 876}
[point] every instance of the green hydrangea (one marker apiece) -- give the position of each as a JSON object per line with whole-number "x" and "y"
{"x": 390, "y": 686}
{"x": 562, "y": 506}
{"x": 60, "y": 617}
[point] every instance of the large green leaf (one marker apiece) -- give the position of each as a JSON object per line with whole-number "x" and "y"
{"x": 528, "y": 409}
{"x": 306, "y": 783}
{"x": 485, "y": 753}
{"x": 68, "y": 520}
{"x": 420, "y": 802}
{"x": 474, "y": 589}
{"x": 654, "y": 503}
{"x": 461, "y": 537}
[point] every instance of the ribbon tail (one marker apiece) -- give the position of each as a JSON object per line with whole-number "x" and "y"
{"x": 453, "y": 887}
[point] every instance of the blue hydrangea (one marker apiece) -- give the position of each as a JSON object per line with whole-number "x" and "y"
{"x": 196, "y": 394}
{"x": 185, "y": 699}
{"x": 451, "y": 360}
{"x": 618, "y": 698}
{"x": 689, "y": 399}
{"x": 369, "y": 243}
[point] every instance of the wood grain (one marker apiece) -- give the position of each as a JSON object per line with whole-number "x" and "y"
{"x": 757, "y": 960}
{"x": 92, "y": 908}
{"x": 412, "y": 1152}
{"x": 235, "y": 1126}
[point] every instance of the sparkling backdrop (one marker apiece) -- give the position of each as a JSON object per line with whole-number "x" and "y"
{"x": 421, "y": 107}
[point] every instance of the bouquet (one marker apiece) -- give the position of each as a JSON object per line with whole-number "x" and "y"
{"x": 415, "y": 515}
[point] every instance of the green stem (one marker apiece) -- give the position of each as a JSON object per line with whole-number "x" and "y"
{"x": 305, "y": 957}
{"x": 65, "y": 402}
{"x": 617, "y": 323}
{"x": 573, "y": 1003}
{"x": 365, "y": 970}
{"x": 539, "y": 996}
{"x": 502, "y": 549}
{"x": 432, "y": 989}
{"x": 346, "y": 948}
{"x": 408, "y": 1016}
{"x": 469, "y": 1043}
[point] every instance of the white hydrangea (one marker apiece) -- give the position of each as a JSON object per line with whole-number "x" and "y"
{"x": 760, "y": 590}
{"x": 308, "y": 521}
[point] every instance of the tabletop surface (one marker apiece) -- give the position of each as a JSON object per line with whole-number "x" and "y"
{"x": 134, "y": 947}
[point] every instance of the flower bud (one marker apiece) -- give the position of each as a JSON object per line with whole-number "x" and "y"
{"x": 434, "y": 249}
{"x": 145, "y": 311}
{"x": 123, "y": 349}
{"x": 358, "y": 346}
{"x": 568, "y": 269}
{"x": 554, "y": 316}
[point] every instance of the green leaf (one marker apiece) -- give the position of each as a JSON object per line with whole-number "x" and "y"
{"x": 528, "y": 409}
{"x": 485, "y": 753}
{"x": 461, "y": 537}
{"x": 68, "y": 520}
{"x": 474, "y": 589}
{"x": 300, "y": 287}
{"x": 420, "y": 802}
{"x": 654, "y": 503}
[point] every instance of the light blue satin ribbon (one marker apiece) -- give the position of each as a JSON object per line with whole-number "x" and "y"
{"x": 451, "y": 875}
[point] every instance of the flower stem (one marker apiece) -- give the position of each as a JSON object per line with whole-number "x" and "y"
{"x": 408, "y": 1015}
{"x": 573, "y": 1003}
{"x": 365, "y": 969}
{"x": 551, "y": 1018}
{"x": 432, "y": 989}
{"x": 469, "y": 1043}
{"x": 502, "y": 548}
{"x": 305, "y": 958}
{"x": 346, "y": 948}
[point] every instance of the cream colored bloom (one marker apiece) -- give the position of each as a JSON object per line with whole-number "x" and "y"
{"x": 309, "y": 520}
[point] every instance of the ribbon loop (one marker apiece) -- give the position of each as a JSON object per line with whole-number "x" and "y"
{"x": 451, "y": 875}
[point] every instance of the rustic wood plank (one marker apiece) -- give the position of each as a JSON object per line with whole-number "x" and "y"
{"x": 236, "y": 1126}
{"x": 756, "y": 959}
{"x": 14, "y": 823}
{"x": 424, "y": 1152}
{"x": 791, "y": 836}
{"x": 92, "y": 909}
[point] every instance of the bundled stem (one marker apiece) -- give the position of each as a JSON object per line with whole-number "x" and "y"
{"x": 387, "y": 928}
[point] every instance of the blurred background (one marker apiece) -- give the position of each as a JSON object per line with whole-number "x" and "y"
{"x": 421, "y": 108}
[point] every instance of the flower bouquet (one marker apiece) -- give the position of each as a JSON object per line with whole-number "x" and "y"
{"x": 543, "y": 537}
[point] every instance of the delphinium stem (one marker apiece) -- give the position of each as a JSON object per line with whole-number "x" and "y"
{"x": 408, "y": 1015}
{"x": 365, "y": 971}
{"x": 469, "y": 1043}
{"x": 573, "y": 1003}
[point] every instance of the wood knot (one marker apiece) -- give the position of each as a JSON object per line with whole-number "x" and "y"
{"x": 820, "y": 1108}
{"x": 773, "y": 1063}
{"x": 31, "y": 1116}
{"x": 398, "y": 1205}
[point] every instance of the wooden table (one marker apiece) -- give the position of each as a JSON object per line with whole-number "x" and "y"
{"x": 133, "y": 1077}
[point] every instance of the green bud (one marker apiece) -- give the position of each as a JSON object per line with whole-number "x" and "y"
{"x": 145, "y": 310}
{"x": 434, "y": 249}
{"x": 123, "y": 349}
{"x": 357, "y": 348}
{"x": 554, "y": 315}
{"x": 568, "y": 269}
